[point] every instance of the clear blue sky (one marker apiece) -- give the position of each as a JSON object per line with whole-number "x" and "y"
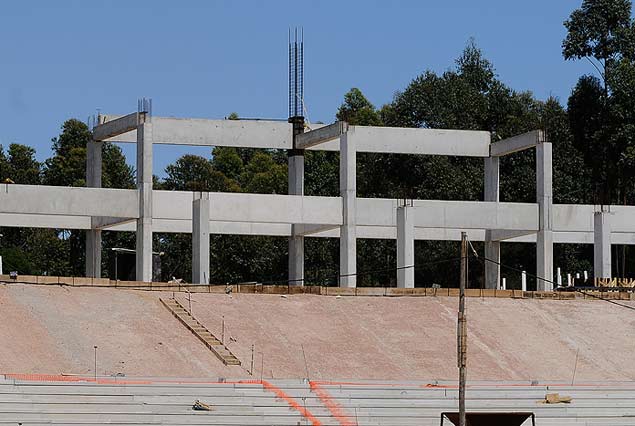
{"x": 62, "y": 59}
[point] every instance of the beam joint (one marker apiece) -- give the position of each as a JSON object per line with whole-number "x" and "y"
{"x": 321, "y": 135}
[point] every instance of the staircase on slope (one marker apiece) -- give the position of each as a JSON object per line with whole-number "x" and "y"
{"x": 203, "y": 334}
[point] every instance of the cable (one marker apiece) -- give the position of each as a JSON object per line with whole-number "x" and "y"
{"x": 375, "y": 271}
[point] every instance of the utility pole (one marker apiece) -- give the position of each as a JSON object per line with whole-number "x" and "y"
{"x": 462, "y": 331}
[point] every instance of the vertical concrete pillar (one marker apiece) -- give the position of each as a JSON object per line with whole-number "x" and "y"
{"x": 144, "y": 186}
{"x": 405, "y": 247}
{"x": 296, "y": 242}
{"x": 602, "y": 244}
{"x": 296, "y": 187}
{"x": 200, "y": 238}
{"x": 544, "y": 197}
{"x": 492, "y": 248}
{"x": 93, "y": 236}
{"x": 348, "y": 231}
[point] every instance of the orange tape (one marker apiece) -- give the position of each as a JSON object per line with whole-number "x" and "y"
{"x": 289, "y": 400}
{"x": 60, "y": 378}
{"x": 336, "y": 409}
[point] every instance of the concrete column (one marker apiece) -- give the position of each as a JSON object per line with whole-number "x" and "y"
{"x": 93, "y": 236}
{"x": 348, "y": 231}
{"x": 544, "y": 197}
{"x": 144, "y": 186}
{"x": 602, "y": 244}
{"x": 296, "y": 242}
{"x": 405, "y": 247}
{"x": 492, "y": 248}
{"x": 200, "y": 238}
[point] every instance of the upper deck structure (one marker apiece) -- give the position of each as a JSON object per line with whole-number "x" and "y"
{"x": 298, "y": 216}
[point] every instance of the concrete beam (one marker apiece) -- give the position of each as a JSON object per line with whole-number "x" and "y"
{"x": 102, "y": 223}
{"x": 279, "y": 135}
{"x": 517, "y": 143}
{"x": 506, "y": 234}
{"x": 67, "y": 201}
{"x": 309, "y": 229}
{"x": 202, "y": 132}
{"x": 259, "y": 208}
{"x": 115, "y": 126}
{"x": 452, "y": 214}
{"x": 415, "y": 141}
{"x": 321, "y": 135}
{"x": 25, "y": 220}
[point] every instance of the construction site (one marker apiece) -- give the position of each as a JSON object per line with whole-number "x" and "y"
{"x": 90, "y": 350}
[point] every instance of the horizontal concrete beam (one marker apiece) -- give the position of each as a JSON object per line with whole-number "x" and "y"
{"x": 279, "y": 135}
{"x": 517, "y": 143}
{"x": 451, "y": 214}
{"x": 284, "y": 230}
{"x": 305, "y": 230}
{"x": 108, "y": 222}
{"x": 116, "y": 126}
{"x": 321, "y": 135}
{"x": 579, "y": 218}
{"x": 202, "y": 132}
{"x": 257, "y": 208}
{"x": 24, "y": 220}
{"x": 69, "y": 201}
{"x": 400, "y": 140}
{"x": 505, "y": 234}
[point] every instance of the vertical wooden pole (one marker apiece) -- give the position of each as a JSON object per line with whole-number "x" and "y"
{"x": 462, "y": 331}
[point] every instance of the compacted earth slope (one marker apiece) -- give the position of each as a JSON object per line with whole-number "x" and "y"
{"x": 50, "y": 329}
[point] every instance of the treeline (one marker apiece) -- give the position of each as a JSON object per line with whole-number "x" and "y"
{"x": 593, "y": 149}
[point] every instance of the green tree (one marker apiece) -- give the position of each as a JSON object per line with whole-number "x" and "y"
{"x": 357, "y": 110}
{"x": 21, "y": 165}
{"x": 600, "y": 108}
{"x": 602, "y": 32}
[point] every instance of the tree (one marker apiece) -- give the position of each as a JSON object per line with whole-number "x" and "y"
{"x": 22, "y": 167}
{"x": 602, "y": 32}
{"x": 357, "y": 110}
{"x": 67, "y": 167}
{"x": 600, "y": 108}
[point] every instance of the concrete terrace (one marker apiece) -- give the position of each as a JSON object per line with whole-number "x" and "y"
{"x": 38, "y": 400}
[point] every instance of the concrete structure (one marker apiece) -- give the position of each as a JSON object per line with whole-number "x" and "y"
{"x": 297, "y": 216}
{"x": 296, "y": 187}
{"x": 405, "y": 246}
{"x": 200, "y": 238}
{"x": 54, "y": 399}
{"x": 602, "y": 243}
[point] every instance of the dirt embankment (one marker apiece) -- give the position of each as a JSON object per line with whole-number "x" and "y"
{"x": 53, "y": 330}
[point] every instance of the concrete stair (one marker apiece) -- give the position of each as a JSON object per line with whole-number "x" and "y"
{"x": 203, "y": 334}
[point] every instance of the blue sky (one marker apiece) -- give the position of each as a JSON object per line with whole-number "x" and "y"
{"x": 62, "y": 59}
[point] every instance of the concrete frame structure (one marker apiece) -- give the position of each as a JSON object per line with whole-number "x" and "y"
{"x": 297, "y": 216}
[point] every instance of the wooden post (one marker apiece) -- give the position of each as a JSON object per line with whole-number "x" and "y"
{"x": 462, "y": 331}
